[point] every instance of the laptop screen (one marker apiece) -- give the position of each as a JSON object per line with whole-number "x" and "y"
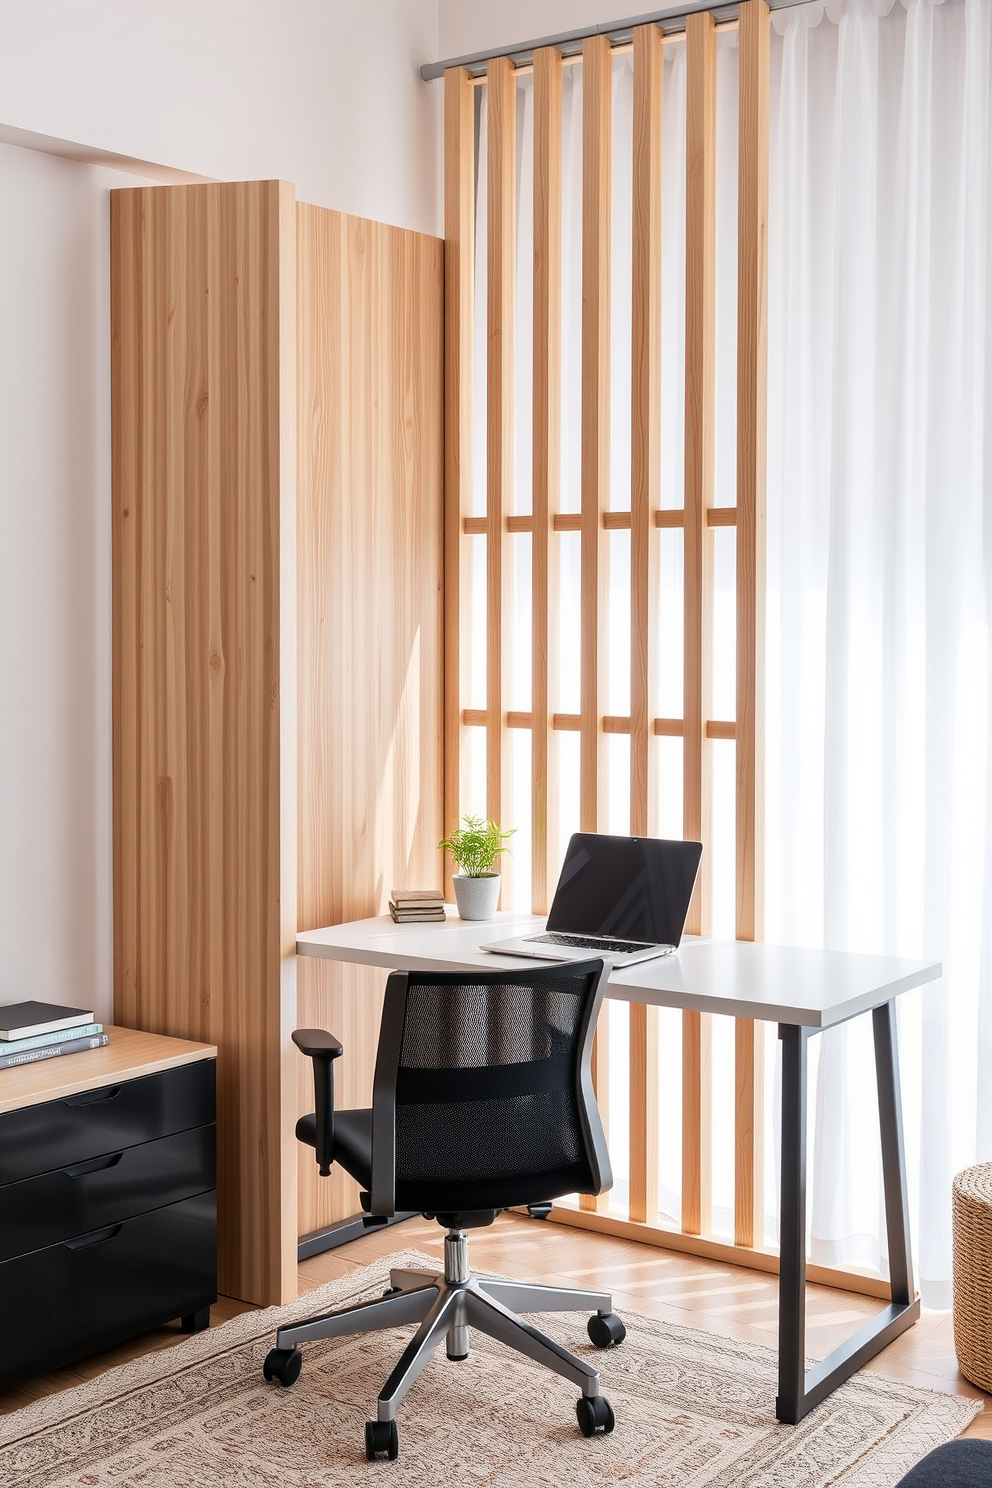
{"x": 635, "y": 888}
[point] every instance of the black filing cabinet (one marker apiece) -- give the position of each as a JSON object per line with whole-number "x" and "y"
{"x": 108, "y": 1217}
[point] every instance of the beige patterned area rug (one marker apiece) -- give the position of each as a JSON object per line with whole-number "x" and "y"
{"x": 693, "y": 1410}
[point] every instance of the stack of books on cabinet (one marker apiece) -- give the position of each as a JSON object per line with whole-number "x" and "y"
{"x": 30, "y": 1031}
{"x": 411, "y": 906}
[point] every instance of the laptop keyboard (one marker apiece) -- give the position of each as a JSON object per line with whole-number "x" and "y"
{"x": 593, "y": 943}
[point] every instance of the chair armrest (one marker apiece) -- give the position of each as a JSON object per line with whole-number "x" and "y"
{"x": 323, "y": 1048}
{"x": 317, "y": 1043}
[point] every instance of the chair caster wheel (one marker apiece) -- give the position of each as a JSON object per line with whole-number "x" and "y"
{"x": 606, "y": 1330}
{"x": 282, "y": 1366}
{"x": 381, "y": 1440}
{"x": 392, "y": 1291}
{"x": 595, "y": 1415}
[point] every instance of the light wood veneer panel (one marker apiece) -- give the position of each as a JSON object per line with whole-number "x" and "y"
{"x": 203, "y": 403}
{"x": 370, "y": 619}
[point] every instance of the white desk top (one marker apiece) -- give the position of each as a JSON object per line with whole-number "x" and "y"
{"x": 781, "y": 984}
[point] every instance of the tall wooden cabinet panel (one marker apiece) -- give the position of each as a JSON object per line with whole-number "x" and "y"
{"x": 277, "y": 379}
{"x": 204, "y": 426}
{"x": 369, "y": 348}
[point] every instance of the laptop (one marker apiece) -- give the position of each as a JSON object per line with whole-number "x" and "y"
{"x": 622, "y": 897}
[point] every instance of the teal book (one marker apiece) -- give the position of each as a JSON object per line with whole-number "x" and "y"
{"x": 68, "y": 1046}
{"x": 42, "y": 1040}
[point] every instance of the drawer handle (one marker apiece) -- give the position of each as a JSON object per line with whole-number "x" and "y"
{"x": 95, "y": 1165}
{"x": 95, "y": 1237}
{"x": 93, "y": 1097}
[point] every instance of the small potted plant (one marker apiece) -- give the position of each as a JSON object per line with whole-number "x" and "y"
{"x": 475, "y": 846}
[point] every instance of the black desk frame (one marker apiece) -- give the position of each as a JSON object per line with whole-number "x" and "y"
{"x": 799, "y": 1391}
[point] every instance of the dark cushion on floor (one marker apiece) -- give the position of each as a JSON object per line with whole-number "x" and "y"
{"x": 957, "y": 1464}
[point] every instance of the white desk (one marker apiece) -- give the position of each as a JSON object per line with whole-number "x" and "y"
{"x": 779, "y": 984}
{"x": 803, "y": 992}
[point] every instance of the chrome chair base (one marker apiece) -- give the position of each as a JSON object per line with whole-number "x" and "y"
{"x": 446, "y": 1306}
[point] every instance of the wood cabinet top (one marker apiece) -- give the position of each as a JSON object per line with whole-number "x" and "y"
{"x": 129, "y": 1055}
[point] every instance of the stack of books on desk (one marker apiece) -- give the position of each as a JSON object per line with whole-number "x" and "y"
{"x": 408, "y": 906}
{"x": 30, "y": 1031}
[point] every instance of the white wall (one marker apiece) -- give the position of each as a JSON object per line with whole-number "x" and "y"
{"x": 55, "y": 741}
{"x": 467, "y": 26}
{"x": 324, "y": 93}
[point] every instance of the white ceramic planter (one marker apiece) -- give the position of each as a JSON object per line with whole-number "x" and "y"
{"x": 476, "y": 898}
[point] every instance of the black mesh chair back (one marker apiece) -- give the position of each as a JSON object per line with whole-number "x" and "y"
{"x": 483, "y": 1090}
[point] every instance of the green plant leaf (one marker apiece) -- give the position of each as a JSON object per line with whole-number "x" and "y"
{"x": 475, "y": 845}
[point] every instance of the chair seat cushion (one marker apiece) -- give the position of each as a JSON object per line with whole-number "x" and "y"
{"x": 353, "y": 1144}
{"x": 352, "y": 1141}
{"x": 353, "y": 1150}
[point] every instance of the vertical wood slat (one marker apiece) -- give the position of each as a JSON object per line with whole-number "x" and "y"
{"x": 749, "y": 1086}
{"x": 697, "y": 1123}
{"x": 752, "y": 360}
{"x": 597, "y": 105}
{"x": 546, "y": 465}
{"x": 459, "y": 249}
{"x": 700, "y": 359}
{"x": 644, "y": 1034}
{"x": 645, "y": 497}
{"x": 597, "y": 185}
{"x": 700, "y": 384}
{"x": 645, "y": 401}
{"x": 501, "y": 95}
{"x": 752, "y": 283}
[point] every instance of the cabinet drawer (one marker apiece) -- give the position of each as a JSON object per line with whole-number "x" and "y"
{"x": 37, "y": 1139}
{"x": 72, "y": 1299}
{"x": 101, "y": 1191}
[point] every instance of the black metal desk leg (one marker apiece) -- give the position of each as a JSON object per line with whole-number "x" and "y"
{"x": 893, "y": 1153}
{"x": 799, "y": 1392}
{"x": 792, "y": 1233}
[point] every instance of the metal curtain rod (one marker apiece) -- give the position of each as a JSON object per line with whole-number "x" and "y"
{"x": 671, "y": 19}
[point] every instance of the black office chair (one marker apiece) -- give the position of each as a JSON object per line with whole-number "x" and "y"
{"x": 482, "y": 1100}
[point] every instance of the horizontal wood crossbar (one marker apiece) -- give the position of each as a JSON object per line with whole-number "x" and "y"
{"x": 613, "y": 521}
{"x": 671, "y": 728}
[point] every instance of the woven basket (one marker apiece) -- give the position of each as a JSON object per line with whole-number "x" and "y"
{"x": 972, "y": 1210}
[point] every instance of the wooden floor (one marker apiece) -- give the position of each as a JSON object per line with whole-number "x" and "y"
{"x": 679, "y": 1289}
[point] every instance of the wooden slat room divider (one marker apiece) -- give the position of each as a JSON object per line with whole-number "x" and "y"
{"x": 596, "y": 519}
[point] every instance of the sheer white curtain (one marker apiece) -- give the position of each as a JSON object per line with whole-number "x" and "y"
{"x": 879, "y": 670}
{"x": 879, "y": 575}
